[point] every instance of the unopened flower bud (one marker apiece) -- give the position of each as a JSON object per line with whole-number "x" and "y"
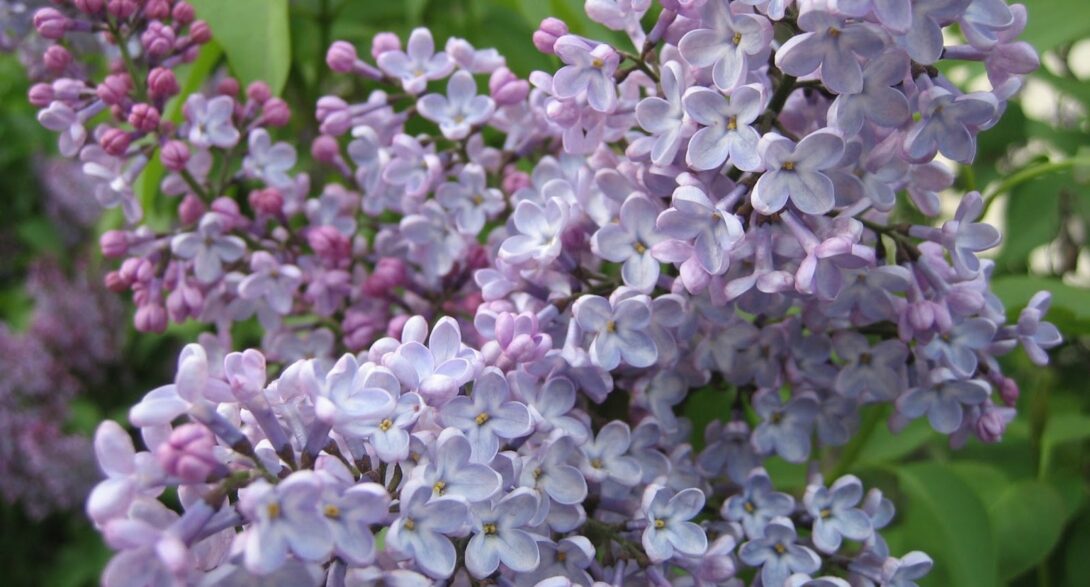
{"x": 115, "y": 141}
{"x": 190, "y": 209}
{"x": 115, "y": 282}
{"x": 122, "y": 9}
{"x": 325, "y": 149}
{"x": 51, "y": 23}
{"x": 182, "y": 13}
{"x": 341, "y": 57}
{"x": 547, "y": 33}
{"x": 114, "y": 89}
{"x": 114, "y": 244}
{"x": 158, "y": 40}
{"x": 40, "y": 95}
{"x": 90, "y": 6}
{"x": 506, "y": 88}
{"x": 328, "y": 243}
{"x": 515, "y": 180}
{"x": 228, "y": 86}
{"x": 174, "y": 155}
{"x": 144, "y": 117}
{"x": 151, "y": 317}
{"x": 200, "y": 33}
{"x": 384, "y": 42}
{"x": 390, "y": 272}
{"x": 268, "y": 201}
{"x": 275, "y": 112}
{"x": 259, "y": 92}
{"x": 157, "y": 9}
{"x": 57, "y": 58}
{"x": 396, "y": 325}
{"x": 162, "y": 83}
{"x": 189, "y": 455}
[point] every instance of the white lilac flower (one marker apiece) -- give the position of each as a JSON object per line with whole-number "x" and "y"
{"x": 419, "y": 64}
{"x": 460, "y": 110}
{"x": 210, "y": 123}
{"x": 619, "y": 331}
{"x": 267, "y": 161}
{"x": 285, "y": 519}
{"x": 487, "y": 415}
{"x": 209, "y": 248}
{"x": 470, "y": 199}
{"x": 421, "y": 531}
{"x": 630, "y": 241}
{"x": 539, "y": 231}
{"x": 500, "y": 536}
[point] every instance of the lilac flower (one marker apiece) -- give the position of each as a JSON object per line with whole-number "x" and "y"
{"x": 60, "y": 118}
{"x": 831, "y": 44}
{"x": 550, "y": 474}
{"x": 470, "y": 200}
{"x": 669, "y": 530}
{"x": 588, "y": 69}
{"x": 984, "y": 20}
{"x": 786, "y": 427}
{"x": 728, "y": 447}
{"x": 539, "y": 232}
{"x": 877, "y": 101}
{"x": 208, "y": 248}
{"x": 422, "y": 528}
{"x": 874, "y": 371}
{"x": 499, "y": 535}
{"x": 113, "y": 180}
{"x": 713, "y": 230}
{"x": 452, "y": 473}
{"x": 411, "y": 166}
{"x": 285, "y": 518}
{"x": 471, "y": 59}
{"x": 419, "y": 65}
{"x": 550, "y": 403}
{"x": 777, "y": 554}
{"x": 606, "y": 456}
{"x": 924, "y": 40}
{"x": 728, "y": 135}
{"x": 630, "y": 242}
{"x": 350, "y": 514}
{"x": 1035, "y": 334}
{"x": 488, "y": 415}
{"x": 460, "y": 110}
{"x": 618, "y": 330}
{"x": 729, "y": 46}
{"x": 835, "y": 515}
{"x": 963, "y": 236}
{"x": 958, "y": 348}
{"x": 210, "y": 123}
{"x": 796, "y": 172}
{"x": 664, "y": 116}
{"x": 270, "y": 281}
{"x": 757, "y": 505}
{"x": 948, "y": 125}
{"x": 943, "y": 398}
{"x": 895, "y": 15}
{"x": 267, "y": 161}
{"x": 904, "y": 572}
{"x": 352, "y": 399}
{"x": 129, "y": 475}
{"x": 436, "y": 370}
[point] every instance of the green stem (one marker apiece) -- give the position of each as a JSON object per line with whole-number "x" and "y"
{"x": 787, "y": 85}
{"x": 193, "y": 185}
{"x": 1028, "y": 174}
{"x": 130, "y": 65}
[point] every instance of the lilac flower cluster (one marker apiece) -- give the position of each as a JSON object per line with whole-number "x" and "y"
{"x": 712, "y": 210}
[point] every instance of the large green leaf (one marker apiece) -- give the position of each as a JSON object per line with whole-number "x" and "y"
{"x": 1028, "y": 518}
{"x": 944, "y": 516}
{"x": 884, "y": 446}
{"x": 1061, "y": 428}
{"x": 255, "y": 36}
{"x": 1054, "y": 22}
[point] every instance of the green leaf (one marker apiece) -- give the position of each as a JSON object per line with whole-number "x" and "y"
{"x": 255, "y": 36}
{"x": 947, "y": 519}
{"x": 1053, "y": 22}
{"x": 1034, "y": 208}
{"x": 987, "y": 481}
{"x": 887, "y": 447}
{"x": 1061, "y": 428}
{"x": 1077, "y": 564}
{"x": 1070, "y": 305}
{"x": 1028, "y": 518}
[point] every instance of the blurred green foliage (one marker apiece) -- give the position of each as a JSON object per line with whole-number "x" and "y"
{"x": 1013, "y": 513}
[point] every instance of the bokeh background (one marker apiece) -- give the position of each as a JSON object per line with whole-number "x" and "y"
{"x": 1014, "y": 513}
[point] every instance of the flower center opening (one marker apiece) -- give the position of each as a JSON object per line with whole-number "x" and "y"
{"x": 777, "y": 417}
{"x": 459, "y": 119}
{"x": 410, "y": 524}
{"x": 332, "y": 511}
{"x": 597, "y": 463}
{"x": 779, "y": 548}
{"x": 789, "y": 165}
{"x": 732, "y": 123}
{"x": 825, "y": 513}
{"x": 478, "y": 199}
{"x": 639, "y": 248}
{"x": 385, "y": 424}
{"x": 538, "y": 473}
{"x": 439, "y": 488}
{"x": 489, "y": 529}
{"x": 273, "y": 510}
{"x": 736, "y": 39}
{"x": 597, "y": 63}
{"x": 749, "y": 507}
{"x": 611, "y": 326}
{"x": 834, "y": 32}
{"x": 481, "y": 418}
{"x": 865, "y": 359}
{"x": 660, "y": 524}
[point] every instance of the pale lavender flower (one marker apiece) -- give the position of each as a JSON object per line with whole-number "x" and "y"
{"x": 411, "y": 166}
{"x": 437, "y": 371}
{"x": 349, "y": 514}
{"x": 499, "y": 535}
{"x": 958, "y": 348}
{"x": 210, "y": 123}
{"x": 419, "y": 65}
{"x": 777, "y": 553}
{"x": 550, "y": 403}
{"x": 607, "y": 456}
{"x": 452, "y": 473}
{"x": 470, "y": 199}
{"x": 757, "y": 505}
{"x": 619, "y": 331}
{"x": 873, "y": 372}
{"x": 539, "y": 230}
{"x": 727, "y": 135}
{"x": 130, "y": 476}
{"x": 797, "y": 172}
{"x": 352, "y": 399}
{"x": 714, "y": 230}
{"x": 471, "y": 59}
{"x": 285, "y": 519}
{"x": 630, "y": 242}
{"x": 669, "y": 530}
{"x": 728, "y": 448}
{"x": 271, "y": 281}
{"x": 209, "y": 248}
{"x": 460, "y": 110}
{"x": 60, "y": 118}
{"x": 895, "y": 15}
{"x": 984, "y": 20}
{"x": 963, "y": 236}
{"x": 835, "y": 513}
{"x": 113, "y": 179}
{"x": 422, "y": 528}
{"x": 831, "y": 44}
{"x": 1033, "y": 332}
{"x": 549, "y": 473}
{"x": 588, "y": 70}
{"x": 664, "y": 117}
{"x": 943, "y": 398}
{"x": 786, "y": 427}
{"x": 267, "y": 161}
{"x": 924, "y": 40}
{"x": 877, "y": 101}
{"x": 948, "y": 124}
{"x": 730, "y": 44}
{"x": 488, "y": 415}
{"x": 904, "y": 571}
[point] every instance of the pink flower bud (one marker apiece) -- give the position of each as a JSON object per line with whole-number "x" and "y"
{"x": 133, "y": 269}
{"x": 390, "y": 272}
{"x": 190, "y": 209}
{"x": 228, "y": 86}
{"x": 228, "y": 211}
{"x": 384, "y": 42}
{"x": 396, "y": 325}
{"x": 547, "y": 33}
{"x": 328, "y": 243}
{"x": 183, "y": 13}
{"x": 114, "y": 244}
{"x": 144, "y": 117}
{"x": 115, "y": 283}
{"x": 158, "y": 40}
{"x": 268, "y": 201}
{"x": 150, "y": 318}
{"x": 506, "y": 88}
{"x": 51, "y": 24}
{"x": 200, "y": 33}
{"x": 515, "y": 180}
{"x": 40, "y": 95}
{"x": 122, "y": 9}
{"x": 90, "y": 6}
{"x": 189, "y": 455}
{"x": 275, "y": 112}
{"x": 157, "y": 9}
{"x": 259, "y": 92}
{"x": 341, "y": 57}
{"x": 57, "y": 58}
{"x": 1009, "y": 392}
{"x": 325, "y": 150}
{"x": 174, "y": 155}
{"x": 115, "y": 141}
{"x": 114, "y": 89}
{"x": 162, "y": 83}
